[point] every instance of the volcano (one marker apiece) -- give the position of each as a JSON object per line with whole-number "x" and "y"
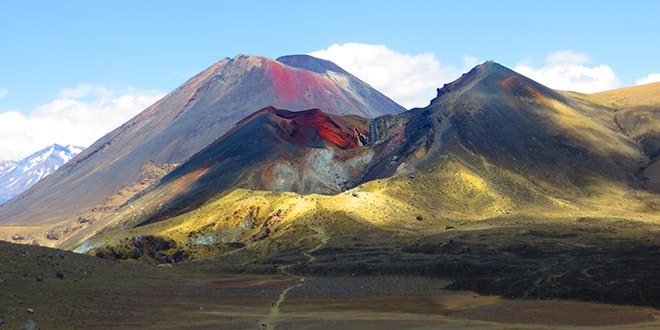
{"x": 188, "y": 119}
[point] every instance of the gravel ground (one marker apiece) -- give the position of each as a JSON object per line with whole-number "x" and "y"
{"x": 370, "y": 286}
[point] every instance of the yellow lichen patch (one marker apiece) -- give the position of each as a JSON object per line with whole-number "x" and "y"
{"x": 419, "y": 153}
{"x": 590, "y": 131}
{"x": 373, "y": 207}
{"x": 246, "y": 209}
{"x": 472, "y": 181}
{"x": 617, "y": 200}
{"x": 464, "y": 192}
{"x": 602, "y": 199}
{"x": 242, "y": 216}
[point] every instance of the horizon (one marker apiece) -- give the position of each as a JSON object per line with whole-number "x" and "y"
{"x": 75, "y": 62}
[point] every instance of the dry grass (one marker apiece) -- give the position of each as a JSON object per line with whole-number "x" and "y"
{"x": 644, "y": 95}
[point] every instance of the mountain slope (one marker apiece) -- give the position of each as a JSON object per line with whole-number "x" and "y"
{"x": 17, "y": 177}
{"x": 185, "y": 121}
{"x": 517, "y": 124}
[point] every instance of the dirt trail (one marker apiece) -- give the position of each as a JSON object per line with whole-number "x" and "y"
{"x": 269, "y": 322}
{"x": 320, "y": 232}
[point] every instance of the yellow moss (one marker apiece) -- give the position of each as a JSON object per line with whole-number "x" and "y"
{"x": 373, "y": 207}
{"x": 590, "y": 131}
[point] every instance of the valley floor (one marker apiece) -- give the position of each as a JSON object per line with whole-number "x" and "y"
{"x": 180, "y": 301}
{"x": 337, "y": 282}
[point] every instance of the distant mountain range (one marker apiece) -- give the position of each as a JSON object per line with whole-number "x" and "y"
{"x": 18, "y": 176}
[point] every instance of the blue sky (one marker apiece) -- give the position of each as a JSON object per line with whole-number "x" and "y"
{"x": 84, "y": 60}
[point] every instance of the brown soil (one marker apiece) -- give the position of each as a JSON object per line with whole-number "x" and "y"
{"x": 560, "y": 313}
{"x": 69, "y": 291}
{"x": 415, "y": 309}
{"x": 242, "y": 302}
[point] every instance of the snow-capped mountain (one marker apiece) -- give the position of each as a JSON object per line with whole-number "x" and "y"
{"x": 6, "y": 164}
{"x": 16, "y": 177}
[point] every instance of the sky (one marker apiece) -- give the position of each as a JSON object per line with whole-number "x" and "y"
{"x": 71, "y": 71}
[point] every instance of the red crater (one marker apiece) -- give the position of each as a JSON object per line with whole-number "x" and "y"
{"x": 304, "y": 126}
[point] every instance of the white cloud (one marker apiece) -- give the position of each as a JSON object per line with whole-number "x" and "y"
{"x": 653, "y": 77}
{"x": 78, "y": 116}
{"x": 567, "y": 57}
{"x": 567, "y": 70}
{"x": 3, "y": 92}
{"x": 410, "y": 80}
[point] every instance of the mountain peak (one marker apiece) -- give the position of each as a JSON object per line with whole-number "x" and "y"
{"x": 458, "y": 83}
{"x": 17, "y": 177}
{"x": 65, "y": 152}
{"x": 490, "y": 65}
{"x": 5, "y": 164}
{"x": 490, "y": 71}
